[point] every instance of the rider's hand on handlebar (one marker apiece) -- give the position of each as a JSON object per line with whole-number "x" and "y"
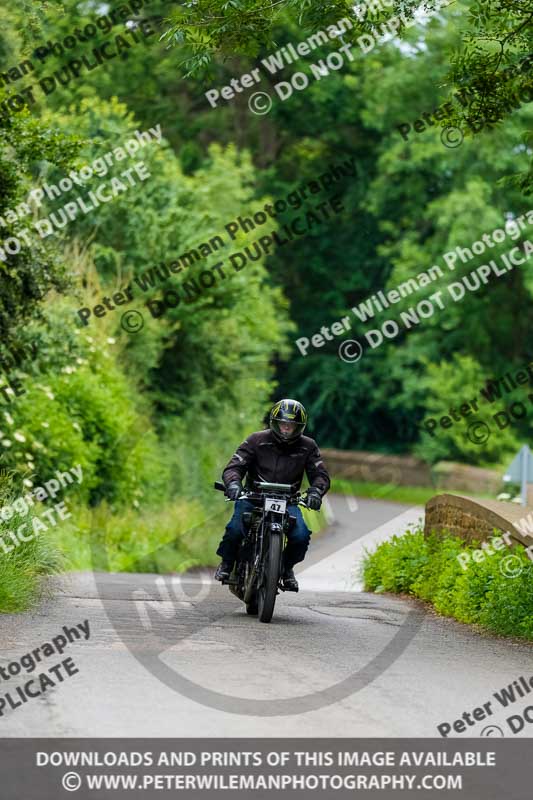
{"x": 313, "y": 499}
{"x": 234, "y": 490}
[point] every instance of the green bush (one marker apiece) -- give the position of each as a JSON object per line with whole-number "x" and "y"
{"x": 80, "y": 408}
{"x": 482, "y": 594}
{"x": 396, "y": 564}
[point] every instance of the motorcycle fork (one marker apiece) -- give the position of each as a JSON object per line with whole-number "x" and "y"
{"x": 261, "y": 544}
{"x": 250, "y": 581}
{"x": 268, "y": 519}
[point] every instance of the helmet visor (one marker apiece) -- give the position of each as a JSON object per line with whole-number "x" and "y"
{"x": 287, "y": 429}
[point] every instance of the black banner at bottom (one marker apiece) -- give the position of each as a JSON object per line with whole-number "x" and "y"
{"x": 47, "y": 769}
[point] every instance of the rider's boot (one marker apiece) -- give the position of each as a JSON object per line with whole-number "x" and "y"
{"x": 290, "y": 584}
{"x": 224, "y": 571}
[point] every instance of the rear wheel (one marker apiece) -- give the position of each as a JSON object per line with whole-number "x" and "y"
{"x": 269, "y": 586}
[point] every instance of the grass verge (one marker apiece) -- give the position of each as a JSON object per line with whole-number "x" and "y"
{"x": 409, "y": 495}
{"x": 23, "y": 564}
{"x": 171, "y": 539}
{"x": 175, "y": 538}
{"x": 481, "y": 594}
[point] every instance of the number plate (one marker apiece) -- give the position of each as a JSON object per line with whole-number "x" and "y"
{"x": 275, "y": 505}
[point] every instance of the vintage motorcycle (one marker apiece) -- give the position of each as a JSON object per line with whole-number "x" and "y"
{"x": 256, "y": 575}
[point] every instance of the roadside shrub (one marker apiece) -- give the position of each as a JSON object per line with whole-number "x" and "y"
{"x": 396, "y": 564}
{"x": 79, "y": 407}
{"x": 483, "y": 594}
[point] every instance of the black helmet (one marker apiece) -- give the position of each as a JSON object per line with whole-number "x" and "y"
{"x": 288, "y": 411}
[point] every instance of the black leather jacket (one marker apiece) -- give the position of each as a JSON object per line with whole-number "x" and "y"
{"x": 261, "y": 457}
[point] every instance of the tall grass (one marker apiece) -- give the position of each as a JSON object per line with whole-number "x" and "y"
{"x": 23, "y": 567}
{"x": 172, "y": 538}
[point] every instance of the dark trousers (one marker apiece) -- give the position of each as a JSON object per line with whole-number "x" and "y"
{"x": 297, "y": 540}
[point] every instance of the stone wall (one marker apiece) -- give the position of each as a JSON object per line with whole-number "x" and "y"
{"x": 459, "y": 514}
{"x": 358, "y": 465}
{"x": 464, "y": 478}
{"x": 475, "y": 519}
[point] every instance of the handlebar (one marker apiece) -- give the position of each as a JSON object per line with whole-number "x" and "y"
{"x": 297, "y": 499}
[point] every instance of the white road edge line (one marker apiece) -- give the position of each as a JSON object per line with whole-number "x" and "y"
{"x": 340, "y": 572}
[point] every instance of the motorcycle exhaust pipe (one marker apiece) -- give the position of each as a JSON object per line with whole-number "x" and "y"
{"x": 236, "y": 591}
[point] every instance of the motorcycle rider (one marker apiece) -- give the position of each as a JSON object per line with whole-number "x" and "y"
{"x": 279, "y": 454}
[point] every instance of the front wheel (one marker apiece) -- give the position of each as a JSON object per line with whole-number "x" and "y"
{"x": 269, "y": 586}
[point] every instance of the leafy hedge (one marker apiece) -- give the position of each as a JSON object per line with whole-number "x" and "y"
{"x": 481, "y": 594}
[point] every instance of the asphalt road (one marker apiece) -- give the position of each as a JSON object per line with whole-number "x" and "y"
{"x": 171, "y": 656}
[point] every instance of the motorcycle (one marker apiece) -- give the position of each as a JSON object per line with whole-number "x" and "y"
{"x": 256, "y": 575}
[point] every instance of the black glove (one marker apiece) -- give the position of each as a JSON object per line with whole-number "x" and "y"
{"x": 234, "y": 490}
{"x": 314, "y": 499}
